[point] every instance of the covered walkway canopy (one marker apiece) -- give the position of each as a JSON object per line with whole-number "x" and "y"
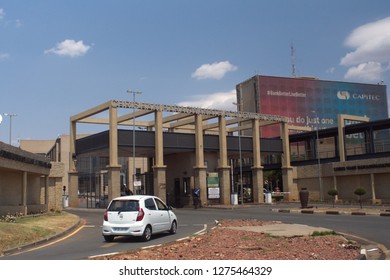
{"x": 199, "y": 122}
{"x": 24, "y": 186}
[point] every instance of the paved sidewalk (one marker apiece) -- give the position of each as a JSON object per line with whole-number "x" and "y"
{"x": 315, "y": 208}
{"x": 285, "y": 230}
{"x": 336, "y": 211}
{"x": 369, "y": 250}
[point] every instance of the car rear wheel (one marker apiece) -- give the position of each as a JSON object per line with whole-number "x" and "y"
{"x": 108, "y": 238}
{"x": 173, "y": 228}
{"x": 147, "y": 235}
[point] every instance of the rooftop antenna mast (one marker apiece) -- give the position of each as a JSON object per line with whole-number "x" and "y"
{"x": 293, "y": 69}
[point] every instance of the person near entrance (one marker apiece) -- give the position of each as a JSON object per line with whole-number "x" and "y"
{"x": 196, "y": 197}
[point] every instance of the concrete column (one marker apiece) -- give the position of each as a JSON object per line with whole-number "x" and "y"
{"x": 199, "y": 148}
{"x": 113, "y": 136}
{"x": 58, "y": 152}
{"x": 73, "y": 178}
{"x": 258, "y": 182}
{"x": 24, "y": 192}
{"x": 45, "y": 191}
{"x": 285, "y": 145}
{"x": 372, "y": 181}
{"x": 288, "y": 184}
{"x": 201, "y": 181}
{"x": 200, "y": 170}
{"x": 114, "y": 181}
{"x": 256, "y": 143}
{"x": 340, "y": 127}
{"x": 46, "y": 187}
{"x": 336, "y": 198}
{"x": 287, "y": 170}
{"x": 224, "y": 184}
{"x": 158, "y": 139}
{"x": 223, "y": 160}
{"x": 257, "y": 168}
{"x": 72, "y": 147}
{"x": 160, "y": 182}
{"x": 223, "y": 168}
{"x": 159, "y": 169}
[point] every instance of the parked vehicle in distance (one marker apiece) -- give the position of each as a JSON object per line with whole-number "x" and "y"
{"x": 137, "y": 215}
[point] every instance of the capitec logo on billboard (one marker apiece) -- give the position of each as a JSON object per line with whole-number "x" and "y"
{"x": 345, "y": 95}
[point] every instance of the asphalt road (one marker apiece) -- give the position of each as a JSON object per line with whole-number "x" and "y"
{"x": 87, "y": 241}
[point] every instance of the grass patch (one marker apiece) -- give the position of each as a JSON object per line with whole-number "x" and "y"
{"x": 323, "y": 233}
{"x": 30, "y": 229}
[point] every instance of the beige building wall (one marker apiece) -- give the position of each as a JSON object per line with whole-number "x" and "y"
{"x": 22, "y": 181}
{"x": 37, "y": 146}
{"x": 10, "y": 187}
{"x": 382, "y": 182}
{"x": 373, "y": 175}
{"x": 26, "y": 187}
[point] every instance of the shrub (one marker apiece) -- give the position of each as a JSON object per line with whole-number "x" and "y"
{"x": 333, "y": 193}
{"x": 360, "y": 192}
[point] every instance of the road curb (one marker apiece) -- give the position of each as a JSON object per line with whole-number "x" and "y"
{"x": 329, "y": 212}
{"x": 369, "y": 248}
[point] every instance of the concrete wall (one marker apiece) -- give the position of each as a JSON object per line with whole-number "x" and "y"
{"x": 55, "y": 187}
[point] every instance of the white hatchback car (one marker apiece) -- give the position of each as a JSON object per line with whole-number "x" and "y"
{"x": 137, "y": 215}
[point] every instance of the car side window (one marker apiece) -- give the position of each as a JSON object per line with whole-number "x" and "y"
{"x": 161, "y": 205}
{"x": 149, "y": 204}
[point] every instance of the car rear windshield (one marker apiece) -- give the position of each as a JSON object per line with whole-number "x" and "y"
{"x": 124, "y": 205}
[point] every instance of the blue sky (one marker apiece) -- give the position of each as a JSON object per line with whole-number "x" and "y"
{"x": 58, "y": 58}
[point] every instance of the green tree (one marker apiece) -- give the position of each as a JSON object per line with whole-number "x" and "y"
{"x": 333, "y": 193}
{"x": 359, "y": 192}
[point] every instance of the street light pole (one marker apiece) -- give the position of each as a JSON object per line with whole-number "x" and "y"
{"x": 10, "y": 125}
{"x": 134, "y": 93}
{"x": 240, "y": 154}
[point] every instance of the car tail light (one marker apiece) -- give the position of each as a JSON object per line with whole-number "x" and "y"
{"x": 140, "y": 215}
{"x": 106, "y": 215}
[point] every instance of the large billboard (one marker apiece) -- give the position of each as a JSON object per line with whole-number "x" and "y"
{"x": 312, "y": 102}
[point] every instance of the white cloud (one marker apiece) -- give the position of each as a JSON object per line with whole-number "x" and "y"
{"x": 69, "y": 48}
{"x": 370, "y": 71}
{"x": 330, "y": 70}
{"x": 18, "y": 23}
{"x": 218, "y": 100}
{"x": 4, "y": 56}
{"x": 2, "y": 13}
{"x": 371, "y": 56}
{"x": 216, "y": 71}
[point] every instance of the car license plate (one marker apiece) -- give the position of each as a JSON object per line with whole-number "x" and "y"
{"x": 120, "y": 229}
